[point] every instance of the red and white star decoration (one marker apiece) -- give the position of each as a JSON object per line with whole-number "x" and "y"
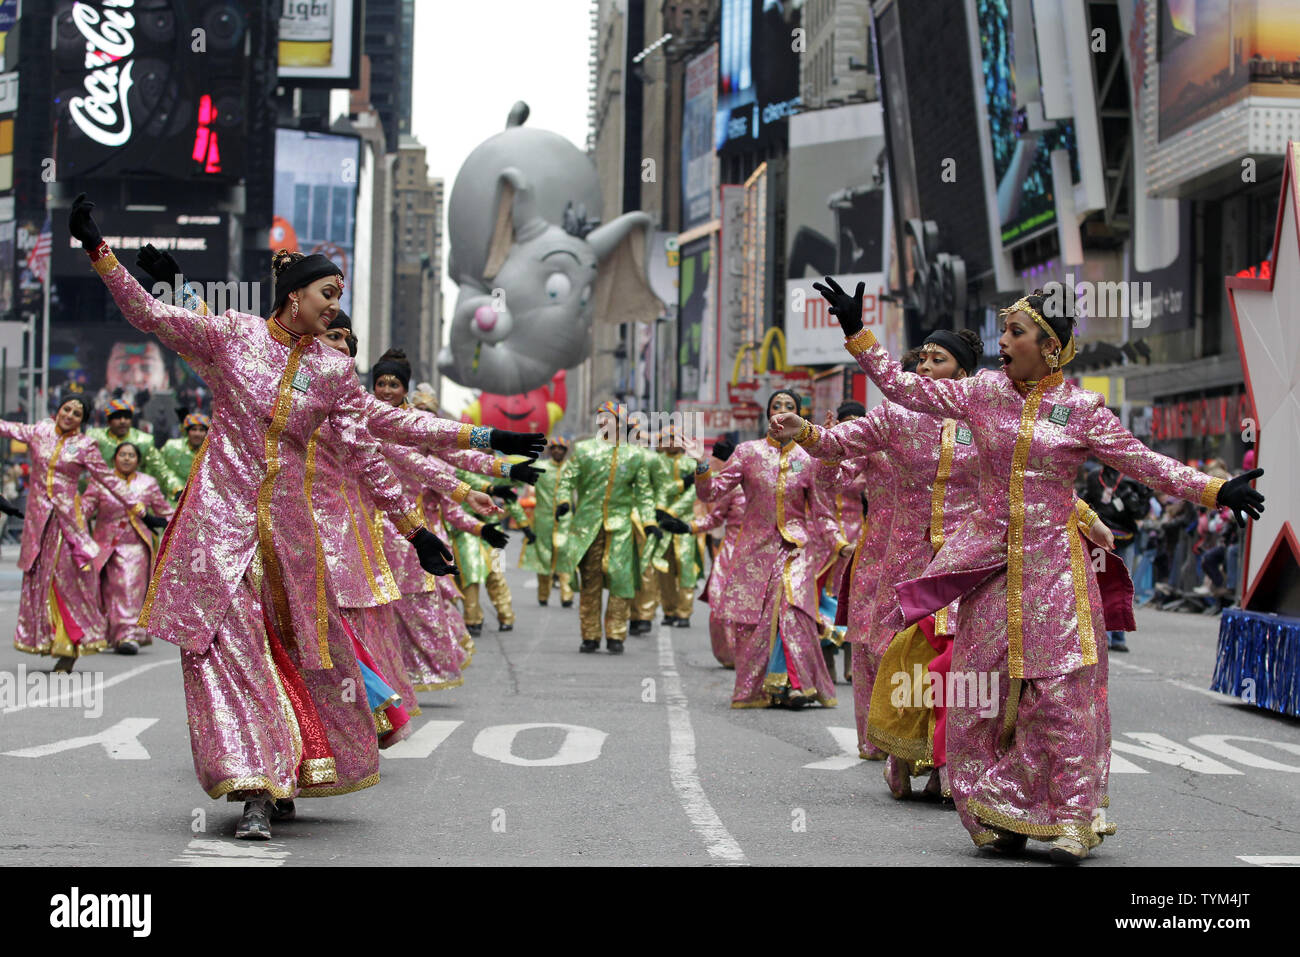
{"x": 1266, "y": 313}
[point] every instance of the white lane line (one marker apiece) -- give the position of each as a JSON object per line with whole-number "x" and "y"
{"x": 847, "y": 740}
{"x": 81, "y": 691}
{"x": 208, "y": 853}
{"x": 1275, "y": 860}
{"x": 681, "y": 763}
{"x": 1185, "y": 685}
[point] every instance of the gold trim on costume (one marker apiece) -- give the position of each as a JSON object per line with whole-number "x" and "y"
{"x": 105, "y": 264}
{"x": 1016, "y": 527}
{"x": 1082, "y": 605}
{"x": 947, "y": 439}
{"x": 54, "y": 460}
{"x": 783, "y": 463}
{"x": 165, "y": 548}
{"x": 366, "y": 782}
{"x": 860, "y": 342}
{"x": 375, "y": 529}
{"x": 462, "y": 436}
{"x": 409, "y": 522}
{"x": 266, "y": 540}
{"x": 604, "y": 510}
{"x": 1082, "y": 831}
{"x": 375, "y": 590}
{"x": 259, "y": 782}
{"x": 314, "y": 771}
{"x": 1210, "y": 494}
{"x": 439, "y": 685}
{"x": 460, "y": 491}
{"x": 1008, "y": 732}
{"x": 322, "y": 612}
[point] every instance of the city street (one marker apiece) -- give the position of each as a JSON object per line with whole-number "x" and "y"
{"x": 653, "y": 768}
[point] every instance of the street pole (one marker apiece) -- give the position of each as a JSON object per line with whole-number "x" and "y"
{"x": 45, "y": 344}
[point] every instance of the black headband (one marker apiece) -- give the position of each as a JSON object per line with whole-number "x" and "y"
{"x": 850, "y": 408}
{"x": 341, "y": 321}
{"x": 393, "y": 367}
{"x": 302, "y": 273}
{"x": 955, "y": 344}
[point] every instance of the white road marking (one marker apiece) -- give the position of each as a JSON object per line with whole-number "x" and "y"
{"x": 422, "y": 743}
{"x": 1125, "y": 666}
{"x": 1188, "y": 686}
{"x": 1157, "y": 747}
{"x": 579, "y": 746}
{"x": 847, "y": 740}
{"x": 203, "y": 852}
{"x": 120, "y": 741}
{"x": 116, "y": 679}
{"x": 1271, "y": 860}
{"x": 1218, "y": 744}
{"x": 682, "y": 767}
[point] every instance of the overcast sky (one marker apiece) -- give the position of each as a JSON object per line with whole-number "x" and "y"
{"x": 473, "y": 60}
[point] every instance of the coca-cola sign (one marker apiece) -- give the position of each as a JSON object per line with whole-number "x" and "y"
{"x": 153, "y": 87}
{"x": 103, "y": 113}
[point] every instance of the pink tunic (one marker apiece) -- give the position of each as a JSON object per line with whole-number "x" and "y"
{"x": 126, "y": 550}
{"x": 248, "y": 489}
{"x": 59, "y": 610}
{"x": 729, "y": 511}
{"x": 936, "y": 472}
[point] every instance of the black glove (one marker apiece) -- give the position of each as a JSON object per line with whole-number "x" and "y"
{"x": 528, "y": 444}
{"x": 845, "y": 308}
{"x": 81, "y": 225}
{"x": 529, "y": 535}
{"x": 493, "y": 535}
{"x": 525, "y": 473}
{"x": 503, "y": 492}
{"x": 1237, "y": 495}
{"x": 562, "y": 509}
{"x": 722, "y": 449}
{"x": 9, "y": 508}
{"x": 671, "y": 523}
{"x": 153, "y": 521}
{"x": 435, "y": 557}
{"x": 688, "y": 480}
{"x": 181, "y": 412}
{"x": 160, "y": 266}
{"x": 654, "y": 530}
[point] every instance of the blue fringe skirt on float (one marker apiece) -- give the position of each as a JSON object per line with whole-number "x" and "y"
{"x": 1258, "y": 660}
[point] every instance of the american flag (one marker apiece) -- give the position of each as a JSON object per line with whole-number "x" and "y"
{"x": 38, "y": 260}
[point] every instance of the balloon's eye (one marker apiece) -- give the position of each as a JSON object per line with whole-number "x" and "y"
{"x": 557, "y": 286}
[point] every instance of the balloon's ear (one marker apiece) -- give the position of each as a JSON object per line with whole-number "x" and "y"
{"x": 623, "y": 293}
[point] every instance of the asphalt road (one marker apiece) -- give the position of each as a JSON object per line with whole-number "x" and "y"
{"x": 623, "y": 760}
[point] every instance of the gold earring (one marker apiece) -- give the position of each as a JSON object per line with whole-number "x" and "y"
{"x": 295, "y": 310}
{"x": 1053, "y": 360}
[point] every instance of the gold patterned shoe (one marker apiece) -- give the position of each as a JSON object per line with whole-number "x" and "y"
{"x": 1067, "y": 850}
{"x": 896, "y": 776}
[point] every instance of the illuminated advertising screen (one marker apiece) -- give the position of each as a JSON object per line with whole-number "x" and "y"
{"x": 315, "y": 205}
{"x": 699, "y": 185}
{"x": 200, "y": 242}
{"x": 1022, "y": 162}
{"x": 320, "y": 43}
{"x": 1214, "y": 53}
{"x": 160, "y": 89}
{"x": 758, "y": 72}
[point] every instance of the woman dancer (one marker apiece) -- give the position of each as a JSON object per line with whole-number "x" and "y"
{"x": 59, "y": 613}
{"x": 126, "y": 545}
{"x": 240, "y": 579}
{"x": 1031, "y": 608}
{"x": 772, "y": 595}
{"x": 729, "y": 510}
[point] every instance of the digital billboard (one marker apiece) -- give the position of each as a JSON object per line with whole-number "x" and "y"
{"x": 315, "y": 204}
{"x": 758, "y": 72}
{"x": 160, "y": 90}
{"x": 1022, "y": 164}
{"x": 319, "y": 43}
{"x": 200, "y": 242}
{"x": 1214, "y": 53}
{"x": 699, "y": 177}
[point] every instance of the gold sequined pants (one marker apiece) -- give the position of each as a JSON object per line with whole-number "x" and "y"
{"x": 676, "y": 600}
{"x": 646, "y": 599}
{"x": 561, "y": 579}
{"x": 473, "y": 610}
{"x": 592, "y": 585}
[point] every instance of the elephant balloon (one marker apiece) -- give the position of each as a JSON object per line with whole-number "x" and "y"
{"x": 533, "y": 266}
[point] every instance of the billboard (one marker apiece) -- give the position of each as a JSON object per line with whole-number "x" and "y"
{"x": 695, "y": 273}
{"x": 162, "y": 92}
{"x": 1214, "y": 53}
{"x": 315, "y": 204}
{"x": 319, "y": 43}
{"x": 836, "y": 218}
{"x": 1022, "y": 142}
{"x": 699, "y": 163}
{"x": 758, "y": 72}
{"x": 200, "y": 242}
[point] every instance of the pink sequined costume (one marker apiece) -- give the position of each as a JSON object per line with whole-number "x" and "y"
{"x": 729, "y": 510}
{"x": 59, "y": 610}
{"x": 772, "y": 592}
{"x": 1035, "y": 761}
{"x": 126, "y": 551}
{"x": 240, "y": 583}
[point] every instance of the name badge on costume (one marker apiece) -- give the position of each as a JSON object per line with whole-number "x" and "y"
{"x": 963, "y": 436}
{"x": 1060, "y": 414}
{"x": 796, "y": 466}
{"x": 301, "y": 380}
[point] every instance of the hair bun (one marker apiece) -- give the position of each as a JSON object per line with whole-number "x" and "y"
{"x": 283, "y": 259}
{"x": 397, "y": 355}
